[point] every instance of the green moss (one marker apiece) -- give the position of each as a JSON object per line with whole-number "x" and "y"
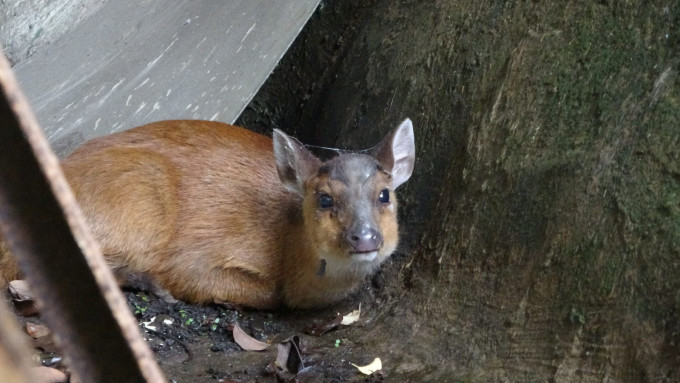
{"x": 590, "y": 73}
{"x": 593, "y": 93}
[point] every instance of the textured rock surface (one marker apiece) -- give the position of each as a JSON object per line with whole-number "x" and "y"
{"x": 541, "y": 228}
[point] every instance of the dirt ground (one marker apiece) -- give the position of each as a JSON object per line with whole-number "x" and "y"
{"x": 541, "y": 229}
{"x": 196, "y": 343}
{"x": 199, "y": 346}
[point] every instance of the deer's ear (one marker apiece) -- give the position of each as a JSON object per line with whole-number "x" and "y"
{"x": 397, "y": 153}
{"x": 294, "y": 163}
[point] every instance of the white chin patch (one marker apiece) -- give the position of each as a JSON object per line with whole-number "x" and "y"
{"x": 365, "y": 257}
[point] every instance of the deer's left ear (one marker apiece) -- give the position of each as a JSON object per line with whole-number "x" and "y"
{"x": 397, "y": 153}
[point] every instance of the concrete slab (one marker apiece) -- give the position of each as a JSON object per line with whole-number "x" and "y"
{"x": 27, "y": 26}
{"x": 134, "y": 62}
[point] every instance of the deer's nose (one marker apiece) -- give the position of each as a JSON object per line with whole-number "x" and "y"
{"x": 364, "y": 239}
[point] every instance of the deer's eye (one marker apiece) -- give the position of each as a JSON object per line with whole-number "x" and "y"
{"x": 384, "y": 196}
{"x": 325, "y": 201}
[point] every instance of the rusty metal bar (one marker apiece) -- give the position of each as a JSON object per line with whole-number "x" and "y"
{"x": 45, "y": 230}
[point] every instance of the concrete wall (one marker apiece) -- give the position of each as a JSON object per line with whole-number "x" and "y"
{"x": 26, "y": 26}
{"x": 91, "y": 68}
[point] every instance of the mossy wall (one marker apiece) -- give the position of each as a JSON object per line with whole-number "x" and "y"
{"x": 541, "y": 230}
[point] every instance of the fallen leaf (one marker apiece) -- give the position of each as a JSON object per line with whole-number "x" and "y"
{"x": 22, "y": 297}
{"x": 36, "y": 330}
{"x": 26, "y": 308}
{"x": 153, "y": 323}
{"x": 20, "y": 290}
{"x": 351, "y": 317}
{"x": 48, "y": 375}
{"x": 309, "y": 374}
{"x": 376, "y": 365}
{"x": 318, "y": 329}
{"x": 289, "y": 358}
{"x": 46, "y": 344}
{"x": 246, "y": 341}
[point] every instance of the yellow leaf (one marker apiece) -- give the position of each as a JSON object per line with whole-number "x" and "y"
{"x": 376, "y": 365}
{"x": 351, "y": 317}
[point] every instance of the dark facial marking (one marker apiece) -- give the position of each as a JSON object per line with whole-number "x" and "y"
{"x": 323, "y": 170}
{"x": 322, "y": 268}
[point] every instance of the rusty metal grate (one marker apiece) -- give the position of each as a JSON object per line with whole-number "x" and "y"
{"x": 45, "y": 231}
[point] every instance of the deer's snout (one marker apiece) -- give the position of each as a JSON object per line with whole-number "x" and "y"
{"x": 364, "y": 239}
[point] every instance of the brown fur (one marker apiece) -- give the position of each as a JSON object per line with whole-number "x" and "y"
{"x": 9, "y": 270}
{"x": 198, "y": 208}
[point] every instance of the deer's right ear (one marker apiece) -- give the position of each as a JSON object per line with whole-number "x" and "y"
{"x": 294, "y": 163}
{"x": 397, "y": 153}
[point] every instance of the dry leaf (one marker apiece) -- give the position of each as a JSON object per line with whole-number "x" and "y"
{"x": 351, "y": 317}
{"x": 48, "y": 375}
{"x": 150, "y": 325}
{"x": 45, "y": 343}
{"x": 309, "y": 374}
{"x": 318, "y": 329}
{"x": 26, "y": 308}
{"x": 376, "y": 365}
{"x": 36, "y": 330}
{"x": 20, "y": 290}
{"x": 246, "y": 341}
{"x": 22, "y": 297}
{"x": 289, "y": 358}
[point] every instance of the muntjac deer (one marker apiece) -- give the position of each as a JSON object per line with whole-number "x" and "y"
{"x": 207, "y": 211}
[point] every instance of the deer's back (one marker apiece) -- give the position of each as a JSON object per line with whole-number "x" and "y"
{"x": 189, "y": 198}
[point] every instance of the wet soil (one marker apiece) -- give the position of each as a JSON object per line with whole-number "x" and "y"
{"x": 199, "y": 346}
{"x": 195, "y": 343}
